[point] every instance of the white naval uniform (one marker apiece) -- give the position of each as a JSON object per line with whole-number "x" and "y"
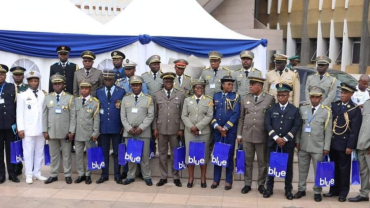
{"x": 29, "y": 120}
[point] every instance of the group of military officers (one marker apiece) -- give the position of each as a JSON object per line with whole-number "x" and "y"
{"x": 233, "y": 107}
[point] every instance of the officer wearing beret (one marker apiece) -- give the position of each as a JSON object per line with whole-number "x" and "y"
{"x": 313, "y": 138}
{"x": 130, "y": 69}
{"x": 87, "y": 128}
{"x": 153, "y": 78}
{"x": 182, "y": 81}
{"x": 214, "y": 73}
{"x": 346, "y": 126}
{"x": 18, "y": 76}
{"x": 89, "y": 73}
{"x": 65, "y": 68}
{"x": 293, "y": 61}
{"x": 282, "y": 122}
{"x": 119, "y": 71}
{"x": 225, "y": 123}
{"x": 252, "y": 133}
{"x": 282, "y": 74}
{"x": 242, "y": 75}
{"x": 137, "y": 114}
{"x": 59, "y": 125}
{"x": 110, "y": 97}
{"x": 7, "y": 118}
{"x": 167, "y": 124}
{"x": 323, "y": 79}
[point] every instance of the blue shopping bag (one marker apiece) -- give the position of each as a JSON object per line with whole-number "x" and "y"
{"x": 278, "y": 163}
{"x": 325, "y": 172}
{"x": 121, "y": 154}
{"x": 179, "y": 157}
{"x": 240, "y": 160}
{"x": 47, "y": 158}
{"x": 134, "y": 150}
{"x": 151, "y": 153}
{"x": 197, "y": 152}
{"x": 355, "y": 178}
{"x": 221, "y": 153}
{"x": 95, "y": 157}
{"x": 16, "y": 151}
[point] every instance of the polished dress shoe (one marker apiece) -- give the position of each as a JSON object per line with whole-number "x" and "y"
{"x": 330, "y": 195}
{"x": 228, "y": 187}
{"x": 203, "y": 185}
{"x": 50, "y": 180}
{"x": 177, "y": 182}
{"x": 80, "y": 179}
{"x": 102, "y": 179}
{"x": 317, "y": 197}
{"x": 190, "y": 185}
{"x": 148, "y": 182}
{"x": 342, "y": 199}
{"x": 299, "y": 194}
{"x": 88, "y": 180}
{"x": 161, "y": 182}
{"x": 215, "y": 185}
{"x": 246, "y": 189}
{"x": 68, "y": 180}
{"x": 261, "y": 189}
{"x": 128, "y": 181}
{"x": 124, "y": 175}
{"x": 14, "y": 179}
{"x": 358, "y": 199}
{"x": 2, "y": 179}
{"x": 289, "y": 195}
{"x": 119, "y": 181}
{"x": 267, "y": 194}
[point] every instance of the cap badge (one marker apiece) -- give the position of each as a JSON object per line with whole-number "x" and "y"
{"x": 63, "y": 47}
{"x": 127, "y": 61}
{"x": 31, "y": 72}
{"x": 115, "y": 53}
{"x": 348, "y": 106}
{"x": 280, "y": 85}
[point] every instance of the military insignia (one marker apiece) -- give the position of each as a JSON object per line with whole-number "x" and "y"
{"x": 32, "y": 73}
{"x": 29, "y": 107}
{"x": 208, "y": 77}
{"x": 191, "y": 102}
{"x": 248, "y": 102}
{"x": 280, "y": 85}
{"x": 51, "y": 102}
{"x": 118, "y": 104}
{"x": 115, "y": 53}
{"x": 63, "y": 47}
{"x": 176, "y": 98}
{"x": 240, "y": 75}
{"x": 127, "y": 61}
{"x": 348, "y": 106}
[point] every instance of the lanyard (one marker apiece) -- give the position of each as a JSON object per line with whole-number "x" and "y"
{"x": 309, "y": 120}
{"x": 1, "y": 92}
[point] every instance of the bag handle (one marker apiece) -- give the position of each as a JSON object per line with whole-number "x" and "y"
{"x": 277, "y": 149}
{"x": 223, "y": 139}
{"x": 326, "y": 158}
{"x": 93, "y": 144}
{"x": 354, "y": 155}
{"x": 240, "y": 146}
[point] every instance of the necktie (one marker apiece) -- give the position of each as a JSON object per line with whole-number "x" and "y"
{"x": 282, "y": 108}
{"x": 281, "y": 72}
{"x": 255, "y": 98}
{"x": 313, "y": 110}
{"x": 168, "y": 94}
{"x": 215, "y": 71}
{"x": 109, "y": 95}
{"x": 57, "y": 98}
{"x": 35, "y": 91}
{"x": 246, "y": 73}
{"x": 179, "y": 80}
{"x": 320, "y": 77}
{"x": 63, "y": 65}
{"x": 18, "y": 87}
{"x": 83, "y": 101}
{"x": 223, "y": 95}
{"x": 155, "y": 75}
{"x": 87, "y": 72}
{"x": 136, "y": 97}
{"x": 197, "y": 100}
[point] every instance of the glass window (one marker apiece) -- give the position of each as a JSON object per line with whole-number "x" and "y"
{"x": 28, "y": 65}
{"x": 356, "y": 52}
{"x": 105, "y": 64}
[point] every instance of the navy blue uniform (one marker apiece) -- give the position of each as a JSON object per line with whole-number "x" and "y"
{"x": 119, "y": 73}
{"x": 226, "y": 114}
{"x": 68, "y": 71}
{"x": 282, "y": 124}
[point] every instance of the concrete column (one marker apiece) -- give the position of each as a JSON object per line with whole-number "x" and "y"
{"x": 305, "y": 42}
{"x": 365, "y": 39}
{"x": 334, "y": 45}
{"x": 346, "y": 48}
{"x": 290, "y": 42}
{"x": 321, "y": 43}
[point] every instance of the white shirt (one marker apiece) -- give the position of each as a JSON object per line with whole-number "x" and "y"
{"x": 360, "y": 97}
{"x": 111, "y": 90}
{"x": 165, "y": 91}
{"x": 86, "y": 98}
{"x": 317, "y": 107}
{"x": 181, "y": 79}
{"x": 283, "y": 105}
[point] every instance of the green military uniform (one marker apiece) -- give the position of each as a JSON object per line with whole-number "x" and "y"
{"x": 292, "y": 58}
{"x": 242, "y": 75}
{"x": 152, "y": 80}
{"x": 59, "y": 119}
{"x": 314, "y": 137}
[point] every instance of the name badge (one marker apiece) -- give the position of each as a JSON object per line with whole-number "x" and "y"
{"x": 2, "y": 101}
{"x": 58, "y": 110}
{"x": 134, "y": 110}
{"x": 307, "y": 129}
{"x": 102, "y": 111}
{"x": 212, "y": 86}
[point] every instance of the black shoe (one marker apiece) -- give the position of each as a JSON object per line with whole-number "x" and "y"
{"x": 358, "y": 199}
{"x": 213, "y": 186}
{"x": 50, "y": 180}
{"x": 190, "y": 185}
{"x": 101, "y": 180}
{"x": 289, "y": 195}
{"x": 14, "y": 179}
{"x": 228, "y": 187}
{"x": 2, "y": 179}
{"x": 149, "y": 182}
{"x": 330, "y": 195}
{"x": 299, "y": 194}
{"x": 80, "y": 179}
{"x": 88, "y": 180}
{"x": 73, "y": 151}
{"x": 161, "y": 182}
{"x": 203, "y": 185}
{"x": 317, "y": 197}
{"x": 124, "y": 175}
{"x": 267, "y": 194}
{"x": 246, "y": 189}
{"x": 128, "y": 181}
{"x": 261, "y": 189}
{"x": 177, "y": 182}
{"x": 342, "y": 199}
{"x": 18, "y": 173}
{"x": 68, "y": 180}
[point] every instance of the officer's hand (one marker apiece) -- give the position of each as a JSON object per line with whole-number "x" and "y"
{"x": 132, "y": 131}
{"x": 368, "y": 151}
{"x": 196, "y": 133}
{"x": 180, "y": 134}
{"x": 239, "y": 140}
{"x": 123, "y": 128}
{"x": 220, "y": 129}
{"x": 138, "y": 131}
{"x": 194, "y": 130}
{"x": 156, "y": 134}
{"x": 326, "y": 152}
{"x": 46, "y": 135}
{"x": 70, "y": 136}
{"x": 21, "y": 134}
{"x": 361, "y": 106}
{"x": 348, "y": 151}
{"x": 94, "y": 138}
{"x": 298, "y": 146}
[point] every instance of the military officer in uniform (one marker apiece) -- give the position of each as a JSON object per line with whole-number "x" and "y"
{"x": 323, "y": 79}
{"x": 7, "y": 119}
{"x": 182, "y": 81}
{"x": 313, "y": 138}
{"x": 168, "y": 126}
{"x": 153, "y": 78}
{"x": 214, "y": 73}
{"x": 87, "y": 128}
{"x": 242, "y": 75}
{"x": 346, "y": 126}
{"x": 130, "y": 69}
{"x": 225, "y": 123}
{"x": 89, "y": 73}
{"x": 293, "y": 62}
{"x": 282, "y": 122}
{"x": 65, "y": 68}
{"x": 251, "y": 131}
{"x": 59, "y": 125}
{"x": 282, "y": 74}
{"x": 29, "y": 124}
{"x": 110, "y": 97}
{"x": 119, "y": 71}
{"x": 137, "y": 114}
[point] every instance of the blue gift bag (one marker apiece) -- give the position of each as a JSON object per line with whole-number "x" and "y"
{"x": 95, "y": 158}
{"x": 355, "y": 178}
{"x": 151, "y": 153}
{"x": 47, "y": 159}
{"x": 240, "y": 160}
{"x": 134, "y": 150}
{"x": 179, "y": 157}
{"x": 16, "y": 151}
{"x": 278, "y": 164}
{"x": 197, "y": 152}
{"x": 221, "y": 153}
{"x": 121, "y": 154}
{"x": 325, "y": 173}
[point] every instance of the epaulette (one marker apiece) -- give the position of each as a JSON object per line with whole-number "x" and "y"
{"x": 158, "y": 90}
{"x": 99, "y": 88}
{"x": 45, "y": 93}
{"x": 147, "y": 95}
{"x": 144, "y": 73}
{"x": 327, "y": 107}
{"x": 207, "y": 68}
{"x": 178, "y": 89}
{"x": 67, "y": 93}
{"x": 128, "y": 94}
{"x": 96, "y": 99}
{"x": 225, "y": 68}
{"x": 210, "y": 97}
{"x": 337, "y": 101}
{"x": 77, "y": 67}
{"x": 187, "y": 76}
{"x": 305, "y": 103}
{"x": 57, "y": 63}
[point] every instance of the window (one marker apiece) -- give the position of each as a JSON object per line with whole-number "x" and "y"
{"x": 298, "y": 46}
{"x": 338, "y": 60}
{"x": 28, "y": 65}
{"x": 356, "y": 50}
{"x": 327, "y": 42}
{"x": 105, "y": 64}
{"x": 313, "y": 49}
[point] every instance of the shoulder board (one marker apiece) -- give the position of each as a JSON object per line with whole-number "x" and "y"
{"x": 56, "y": 63}
{"x": 77, "y": 67}
{"x": 147, "y": 95}
{"x": 45, "y": 93}
{"x": 128, "y": 94}
{"x": 177, "y": 89}
{"x": 266, "y": 93}
{"x": 144, "y": 73}
{"x": 327, "y": 107}
{"x": 353, "y": 108}
{"x": 208, "y": 68}
{"x": 96, "y": 99}
{"x": 305, "y": 103}
{"x": 338, "y": 101}
{"x": 67, "y": 93}
{"x": 226, "y": 68}
{"x": 158, "y": 91}
{"x": 210, "y": 97}
{"x": 99, "y": 88}
{"x": 187, "y": 76}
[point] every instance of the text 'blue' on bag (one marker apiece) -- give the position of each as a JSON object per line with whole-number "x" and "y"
{"x": 134, "y": 150}
{"x": 220, "y": 154}
{"x": 16, "y": 152}
{"x": 278, "y": 164}
{"x": 325, "y": 173}
{"x": 95, "y": 158}
{"x": 197, "y": 152}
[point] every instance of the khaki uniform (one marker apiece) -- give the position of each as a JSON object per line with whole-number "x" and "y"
{"x": 291, "y": 77}
{"x": 251, "y": 128}
{"x": 312, "y": 144}
{"x": 241, "y": 86}
{"x": 58, "y": 119}
{"x": 152, "y": 85}
{"x": 185, "y": 84}
{"x": 327, "y": 83}
{"x": 209, "y": 75}
{"x": 95, "y": 77}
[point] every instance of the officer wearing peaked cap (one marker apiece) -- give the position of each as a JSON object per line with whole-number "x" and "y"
{"x": 241, "y": 86}
{"x": 130, "y": 69}
{"x": 153, "y": 78}
{"x": 18, "y": 76}
{"x": 182, "y": 81}
{"x": 293, "y": 61}
{"x": 119, "y": 70}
